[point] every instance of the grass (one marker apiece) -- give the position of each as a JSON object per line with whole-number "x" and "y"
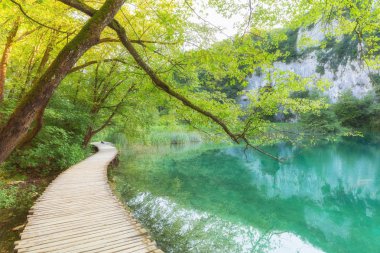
{"x": 158, "y": 135}
{"x": 162, "y": 137}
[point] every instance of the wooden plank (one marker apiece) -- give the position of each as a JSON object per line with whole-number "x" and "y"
{"x": 68, "y": 235}
{"x": 87, "y": 226}
{"x": 106, "y": 236}
{"x": 78, "y": 230}
{"x": 79, "y": 213}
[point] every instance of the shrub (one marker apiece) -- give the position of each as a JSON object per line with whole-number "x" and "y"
{"x": 50, "y": 152}
{"x": 63, "y": 114}
{"x": 324, "y": 122}
{"x": 17, "y": 196}
{"x": 374, "y": 124}
{"x": 375, "y": 80}
{"x": 8, "y": 196}
{"x": 58, "y": 144}
{"x": 354, "y": 112}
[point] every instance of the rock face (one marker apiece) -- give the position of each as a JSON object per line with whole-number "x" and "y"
{"x": 350, "y": 74}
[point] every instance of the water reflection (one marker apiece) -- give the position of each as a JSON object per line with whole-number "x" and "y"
{"x": 349, "y": 168}
{"x": 339, "y": 185}
{"x": 326, "y": 195}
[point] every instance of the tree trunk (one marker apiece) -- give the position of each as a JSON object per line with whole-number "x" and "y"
{"x": 30, "y": 65}
{"x": 88, "y": 136}
{"x": 5, "y": 57}
{"x": 46, "y": 56}
{"x": 39, "y": 122}
{"x": 39, "y": 95}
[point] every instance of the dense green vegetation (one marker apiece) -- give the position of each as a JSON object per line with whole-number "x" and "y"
{"x": 154, "y": 75}
{"x": 348, "y": 116}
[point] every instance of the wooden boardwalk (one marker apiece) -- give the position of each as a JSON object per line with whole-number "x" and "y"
{"x": 79, "y": 213}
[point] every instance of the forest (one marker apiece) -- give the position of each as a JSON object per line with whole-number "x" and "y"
{"x": 146, "y": 73}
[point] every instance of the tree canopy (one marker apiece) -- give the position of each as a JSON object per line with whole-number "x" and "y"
{"x": 130, "y": 66}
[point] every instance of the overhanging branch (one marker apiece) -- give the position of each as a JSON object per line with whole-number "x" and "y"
{"x": 84, "y": 65}
{"x": 117, "y": 27}
{"x": 140, "y": 42}
{"x": 35, "y": 20}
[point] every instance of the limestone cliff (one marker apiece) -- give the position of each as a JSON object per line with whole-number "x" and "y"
{"x": 337, "y": 62}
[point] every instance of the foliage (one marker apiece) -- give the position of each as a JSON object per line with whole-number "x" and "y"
{"x": 320, "y": 69}
{"x": 335, "y": 52}
{"x": 17, "y": 196}
{"x": 6, "y": 109}
{"x": 375, "y": 80}
{"x": 288, "y": 46}
{"x": 354, "y": 112}
{"x": 231, "y": 87}
{"x": 323, "y": 123}
{"x": 182, "y": 53}
{"x": 187, "y": 57}
{"x": 286, "y": 96}
{"x": 57, "y": 146}
{"x": 346, "y": 117}
{"x": 7, "y": 196}
{"x": 51, "y": 152}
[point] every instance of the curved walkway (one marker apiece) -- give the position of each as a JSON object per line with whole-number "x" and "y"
{"x": 79, "y": 213}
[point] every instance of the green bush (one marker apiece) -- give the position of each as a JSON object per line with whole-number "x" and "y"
{"x": 57, "y": 146}
{"x": 17, "y": 196}
{"x": 287, "y": 46}
{"x": 375, "y": 80}
{"x": 50, "y": 152}
{"x": 64, "y": 114}
{"x": 8, "y": 196}
{"x": 6, "y": 109}
{"x": 324, "y": 122}
{"x": 354, "y": 112}
{"x": 374, "y": 124}
{"x": 349, "y": 114}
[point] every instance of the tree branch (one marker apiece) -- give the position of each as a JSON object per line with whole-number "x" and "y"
{"x": 114, "y": 112}
{"x": 140, "y": 42}
{"x": 206, "y": 21}
{"x": 116, "y": 26}
{"x": 35, "y": 20}
{"x": 26, "y": 34}
{"x": 79, "y": 67}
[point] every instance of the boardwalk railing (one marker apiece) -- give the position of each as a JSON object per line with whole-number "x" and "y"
{"x": 79, "y": 213}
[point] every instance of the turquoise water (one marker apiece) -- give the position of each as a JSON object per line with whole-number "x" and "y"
{"x": 220, "y": 199}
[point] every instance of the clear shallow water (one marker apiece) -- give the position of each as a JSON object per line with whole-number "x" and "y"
{"x": 219, "y": 199}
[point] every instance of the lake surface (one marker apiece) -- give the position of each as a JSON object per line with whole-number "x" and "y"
{"x": 220, "y": 199}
